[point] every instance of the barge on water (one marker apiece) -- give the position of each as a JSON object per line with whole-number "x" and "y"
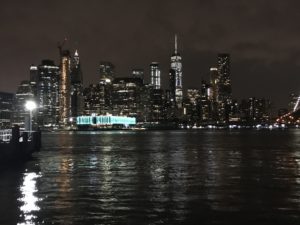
{"x": 16, "y": 145}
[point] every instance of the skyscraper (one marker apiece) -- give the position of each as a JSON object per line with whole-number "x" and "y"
{"x": 126, "y": 96}
{"x": 34, "y": 78}
{"x": 138, "y": 73}
{"x": 224, "y": 87}
{"x": 47, "y": 93}
{"x": 176, "y": 67}
{"x": 224, "y": 77}
{"x": 65, "y": 89}
{"x": 6, "y": 107}
{"x": 214, "y": 82}
{"x": 24, "y": 93}
{"x": 77, "y": 103}
{"x": 155, "y": 75}
{"x": 106, "y": 71}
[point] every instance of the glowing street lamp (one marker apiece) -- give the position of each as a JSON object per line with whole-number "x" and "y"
{"x": 30, "y": 106}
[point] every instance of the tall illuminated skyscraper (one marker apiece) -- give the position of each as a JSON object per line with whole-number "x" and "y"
{"x": 214, "y": 81}
{"x": 23, "y": 94}
{"x": 176, "y": 69}
{"x": 47, "y": 93}
{"x": 213, "y": 97}
{"x": 6, "y": 109}
{"x": 77, "y": 102}
{"x": 224, "y": 76}
{"x": 224, "y": 87}
{"x": 155, "y": 75}
{"x": 65, "y": 89}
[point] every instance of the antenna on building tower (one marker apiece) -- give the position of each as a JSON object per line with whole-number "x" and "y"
{"x": 61, "y": 45}
{"x": 175, "y": 43}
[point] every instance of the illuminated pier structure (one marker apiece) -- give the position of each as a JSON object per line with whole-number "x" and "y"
{"x": 105, "y": 121}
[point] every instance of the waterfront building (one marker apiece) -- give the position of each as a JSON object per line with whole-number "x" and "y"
{"x": 106, "y": 71}
{"x": 169, "y": 107}
{"x": 126, "y": 97}
{"x": 138, "y": 73}
{"x": 156, "y": 113}
{"x": 191, "y": 105}
{"x": 104, "y": 122}
{"x": 77, "y": 101}
{"x": 176, "y": 76}
{"x": 65, "y": 89}
{"x": 145, "y": 103}
{"x": 23, "y": 94}
{"x": 6, "y": 109}
{"x": 214, "y": 92}
{"x": 34, "y": 78}
{"x": 155, "y": 75}
{"x": 224, "y": 97}
{"x": 205, "y": 103}
{"x": 234, "y": 112}
{"x": 255, "y": 110}
{"x": 46, "y": 92}
{"x": 98, "y": 99}
{"x": 92, "y": 96}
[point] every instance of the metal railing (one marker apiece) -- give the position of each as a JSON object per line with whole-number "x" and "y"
{"x": 5, "y": 135}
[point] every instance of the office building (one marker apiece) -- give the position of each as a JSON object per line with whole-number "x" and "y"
{"x": 224, "y": 97}
{"x": 106, "y": 71}
{"x": 138, "y": 73}
{"x": 126, "y": 97}
{"x": 65, "y": 89}
{"x": 6, "y": 109}
{"x": 77, "y": 101}
{"x": 155, "y": 76}
{"x": 47, "y": 92}
{"x": 23, "y": 94}
{"x": 176, "y": 76}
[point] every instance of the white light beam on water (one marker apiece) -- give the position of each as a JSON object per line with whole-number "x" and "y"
{"x": 28, "y": 198}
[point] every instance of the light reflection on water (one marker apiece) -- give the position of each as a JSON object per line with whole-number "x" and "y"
{"x": 29, "y": 200}
{"x": 163, "y": 177}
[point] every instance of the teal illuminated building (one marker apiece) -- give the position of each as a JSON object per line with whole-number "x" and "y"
{"x": 105, "y": 121}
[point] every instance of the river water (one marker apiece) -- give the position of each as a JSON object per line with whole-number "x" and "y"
{"x": 157, "y": 177}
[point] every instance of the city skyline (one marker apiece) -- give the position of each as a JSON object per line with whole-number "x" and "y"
{"x": 260, "y": 37}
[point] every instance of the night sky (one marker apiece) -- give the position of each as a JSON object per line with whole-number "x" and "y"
{"x": 263, "y": 38}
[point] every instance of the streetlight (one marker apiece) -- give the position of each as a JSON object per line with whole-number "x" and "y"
{"x": 30, "y": 106}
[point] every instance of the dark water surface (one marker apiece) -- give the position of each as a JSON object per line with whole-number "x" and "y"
{"x": 157, "y": 177}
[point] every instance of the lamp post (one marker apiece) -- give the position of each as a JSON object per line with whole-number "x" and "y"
{"x": 30, "y": 106}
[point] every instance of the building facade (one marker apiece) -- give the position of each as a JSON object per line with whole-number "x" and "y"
{"x": 155, "y": 75}
{"x": 106, "y": 71}
{"x": 224, "y": 97}
{"x": 47, "y": 93}
{"x": 65, "y": 89}
{"x": 77, "y": 100}
{"x": 126, "y": 97}
{"x": 176, "y": 76}
{"x": 6, "y": 109}
{"x": 23, "y": 94}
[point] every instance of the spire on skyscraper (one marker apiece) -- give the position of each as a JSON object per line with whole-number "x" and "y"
{"x": 175, "y": 44}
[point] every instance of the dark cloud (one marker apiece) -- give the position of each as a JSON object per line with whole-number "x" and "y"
{"x": 262, "y": 36}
